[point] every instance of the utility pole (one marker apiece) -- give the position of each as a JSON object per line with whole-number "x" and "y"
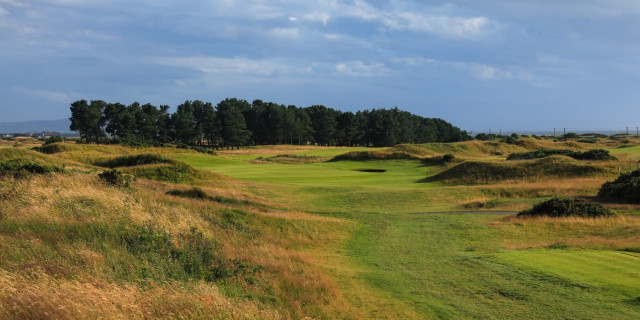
{"x": 565, "y": 131}
{"x": 627, "y": 130}
{"x": 500, "y": 131}
{"x": 554, "y": 132}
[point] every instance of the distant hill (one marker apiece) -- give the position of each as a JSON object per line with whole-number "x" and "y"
{"x": 61, "y": 126}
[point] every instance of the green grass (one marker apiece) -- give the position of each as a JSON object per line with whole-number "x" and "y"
{"x": 400, "y": 173}
{"x": 444, "y": 265}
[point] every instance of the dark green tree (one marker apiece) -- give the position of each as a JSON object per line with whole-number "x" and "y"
{"x": 88, "y": 119}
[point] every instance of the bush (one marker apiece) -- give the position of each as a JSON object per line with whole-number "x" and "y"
{"x": 53, "y": 139}
{"x": 596, "y": 154}
{"x": 626, "y": 188}
{"x": 115, "y": 178}
{"x": 448, "y": 157}
{"x": 567, "y": 207}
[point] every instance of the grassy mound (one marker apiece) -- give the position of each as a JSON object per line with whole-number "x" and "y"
{"x": 19, "y": 169}
{"x": 290, "y": 159}
{"x": 175, "y": 173}
{"x": 477, "y": 172}
{"x": 626, "y": 188}
{"x": 567, "y": 207}
{"x": 374, "y": 155}
{"x": 596, "y": 154}
{"x": 197, "y": 193}
{"x": 134, "y": 160}
{"x": 54, "y": 148}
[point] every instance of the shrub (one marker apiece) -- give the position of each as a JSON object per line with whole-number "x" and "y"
{"x": 448, "y": 157}
{"x": 567, "y": 207}
{"x": 588, "y": 140}
{"x": 53, "y": 139}
{"x": 115, "y": 178}
{"x": 626, "y": 188}
{"x": 596, "y": 154}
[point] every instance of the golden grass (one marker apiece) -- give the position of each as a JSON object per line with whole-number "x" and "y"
{"x": 612, "y": 233}
{"x": 40, "y": 296}
{"x": 288, "y": 245}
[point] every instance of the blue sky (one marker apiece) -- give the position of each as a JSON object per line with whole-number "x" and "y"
{"x": 478, "y": 64}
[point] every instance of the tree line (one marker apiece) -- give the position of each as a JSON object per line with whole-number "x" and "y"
{"x": 235, "y": 122}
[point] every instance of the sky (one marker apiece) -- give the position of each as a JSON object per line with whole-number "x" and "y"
{"x": 510, "y": 64}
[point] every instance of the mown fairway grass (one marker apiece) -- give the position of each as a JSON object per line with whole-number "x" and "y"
{"x": 402, "y": 264}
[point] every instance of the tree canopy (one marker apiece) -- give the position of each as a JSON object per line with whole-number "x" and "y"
{"x": 235, "y": 122}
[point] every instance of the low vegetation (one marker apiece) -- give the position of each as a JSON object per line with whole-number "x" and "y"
{"x": 626, "y": 188}
{"x": 596, "y": 154}
{"x": 483, "y": 172}
{"x": 197, "y": 193}
{"x": 20, "y": 169}
{"x": 290, "y": 159}
{"x": 115, "y": 178}
{"x": 185, "y": 242}
{"x": 134, "y": 160}
{"x": 567, "y": 207}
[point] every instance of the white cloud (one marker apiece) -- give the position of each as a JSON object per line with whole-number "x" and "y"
{"x": 288, "y": 33}
{"x": 361, "y": 69}
{"x": 3, "y": 12}
{"x": 228, "y": 66}
{"x": 52, "y": 96}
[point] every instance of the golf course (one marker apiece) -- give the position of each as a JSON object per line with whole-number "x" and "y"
{"x": 320, "y": 232}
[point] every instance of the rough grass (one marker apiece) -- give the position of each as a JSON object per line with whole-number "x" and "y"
{"x": 482, "y": 172}
{"x": 134, "y": 160}
{"x": 73, "y": 247}
{"x": 360, "y": 255}
{"x": 289, "y": 159}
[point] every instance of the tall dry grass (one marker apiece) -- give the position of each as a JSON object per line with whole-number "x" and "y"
{"x": 612, "y": 233}
{"x": 40, "y": 296}
{"x": 47, "y": 276}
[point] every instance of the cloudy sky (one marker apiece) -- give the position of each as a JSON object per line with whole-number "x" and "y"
{"x": 479, "y": 64}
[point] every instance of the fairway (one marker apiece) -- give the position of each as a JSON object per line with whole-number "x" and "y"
{"x": 607, "y": 269}
{"x": 398, "y": 173}
{"x": 443, "y": 265}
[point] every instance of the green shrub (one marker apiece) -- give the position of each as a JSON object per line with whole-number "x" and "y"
{"x": 448, "y": 157}
{"x": 134, "y": 160}
{"x": 596, "y": 154}
{"x": 53, "y": 139}
{"x": 626, "y": 188}
{"x": 115, "y": 178}
{"x": 196, "y": 256}
{"x": 588, "y": 140}
{"x": 567, "y": 207}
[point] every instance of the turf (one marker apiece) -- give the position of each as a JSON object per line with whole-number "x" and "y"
{"x": 448, "y": 265}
